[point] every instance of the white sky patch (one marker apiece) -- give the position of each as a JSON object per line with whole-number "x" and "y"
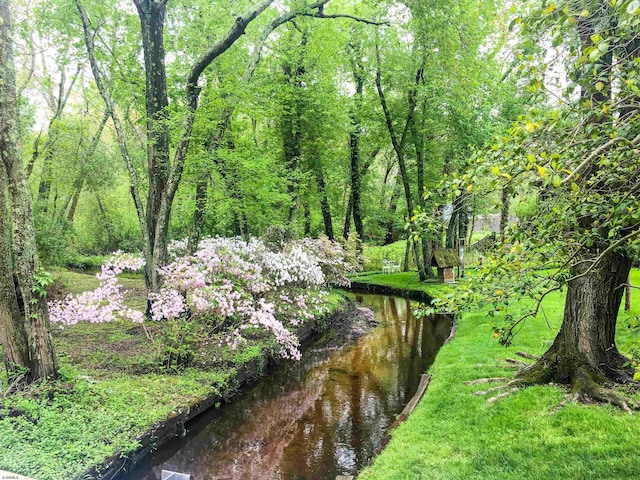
{"x": 398, "y": 13}
{"x": 280, "y": 6}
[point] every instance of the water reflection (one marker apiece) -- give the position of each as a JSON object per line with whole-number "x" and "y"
{"x": 318, "y": 418}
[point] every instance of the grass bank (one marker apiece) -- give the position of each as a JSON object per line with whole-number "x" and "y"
{"x": 402, "y": 281}
{"x": 112, "y": 391}
{"x": 456, "y": 434}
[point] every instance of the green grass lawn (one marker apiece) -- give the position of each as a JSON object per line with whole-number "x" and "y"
{"x": 455, "y": 434}
{"x": 375, "y": 254}
{"x": 402, "y": 281}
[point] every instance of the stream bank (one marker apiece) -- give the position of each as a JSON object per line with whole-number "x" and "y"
{"x": 346, "y": 323}
{"x": 455, "y": 433}
{"x": 112, "y": 392}
{"x": 324, "y": 416}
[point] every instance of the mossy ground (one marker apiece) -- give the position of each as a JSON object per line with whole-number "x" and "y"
{"x": 112, "y": 390}
{"x": 456, "y": 434}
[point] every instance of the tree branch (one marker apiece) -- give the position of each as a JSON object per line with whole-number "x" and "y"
{"x": 342, "y": 15}
{"x": 225, "y": 43}
{"x": 383, "y": 103}
{"x": 601, "y": 149}
{"x": 120, "y": 134}
{"x": 611, "y": 247}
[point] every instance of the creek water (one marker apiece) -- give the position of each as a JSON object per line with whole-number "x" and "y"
{"x": 315, "y": 419}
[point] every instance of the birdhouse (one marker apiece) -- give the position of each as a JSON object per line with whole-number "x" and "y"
{"x": 445, "y": 259}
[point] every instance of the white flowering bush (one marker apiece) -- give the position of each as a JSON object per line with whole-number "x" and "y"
{"x": 228, "y": 285}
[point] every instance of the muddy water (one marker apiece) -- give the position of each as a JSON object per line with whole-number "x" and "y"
{"x": 313, "y": 420}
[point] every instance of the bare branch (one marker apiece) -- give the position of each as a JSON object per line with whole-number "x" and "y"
{"x": 341, "y": 15}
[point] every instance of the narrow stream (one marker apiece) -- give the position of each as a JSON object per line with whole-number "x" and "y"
{"x": 315, "y": 419}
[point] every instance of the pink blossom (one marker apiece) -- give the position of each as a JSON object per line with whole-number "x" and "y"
{"x": 228, "y": 280}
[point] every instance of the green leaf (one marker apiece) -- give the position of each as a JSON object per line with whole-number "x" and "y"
{"x": 633, "y": 7}
{"x": 595, "y": 55}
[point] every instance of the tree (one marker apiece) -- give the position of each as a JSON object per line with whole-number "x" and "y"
{"x": 163, "y": 175}
{"x": 165, "y": 161}
{"x": 24, "y": 322}
{"x": 356, "y": 170}
{"x": 580, "y": 162}
{"x": 399, "y": 143}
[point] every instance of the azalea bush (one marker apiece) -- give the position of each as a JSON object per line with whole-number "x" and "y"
{"x": 105, "y": 303}
{"x": 228, "y": 286}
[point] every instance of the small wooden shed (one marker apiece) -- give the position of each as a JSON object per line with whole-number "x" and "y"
{"x": 445, "y": 259}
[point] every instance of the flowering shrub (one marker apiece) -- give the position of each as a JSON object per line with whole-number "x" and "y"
{"x": 228, "y": 284}
{"x": 335, "y": 260}
{"x": 103, "y": 304}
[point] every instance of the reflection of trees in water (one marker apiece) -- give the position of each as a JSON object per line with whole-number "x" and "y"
{"x": 249, "y": 439}
{"x": 326, "y": 416}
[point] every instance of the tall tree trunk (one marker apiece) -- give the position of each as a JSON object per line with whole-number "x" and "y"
{"x": 346, "y": 230}
{"x": 198, "y": 215}
{"x": 452, "y": 227}
{"x": 393, "y": 206}
{"x": 406, "y": 262}
{"x": 237, "y": 228}
{"x": 325, "y": 208}
{"x": 13, "y": 333}
{"x": 399, "y": 143}
{"x": 363, "y": 171}
{"x": 46, "y": 176}
{"x": 74, "y": 203}
{"x": 463, "y": 227}
{"x": 417, "y": 135}
{"x": 34, "y": 155}
{"x": 354, "y": 145}
{"x": 584, "y": 352}
{"x": 307, "y": 216}
{"x": 292, "y": 138}
{"x": 152, "y": 15}
{"x": 32, "y": 303}
{"x": 108, "y": 226}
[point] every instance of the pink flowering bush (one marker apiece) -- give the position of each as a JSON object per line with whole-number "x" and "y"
{"x": 228, "y": 286}
{"x": 103, "y": 304}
